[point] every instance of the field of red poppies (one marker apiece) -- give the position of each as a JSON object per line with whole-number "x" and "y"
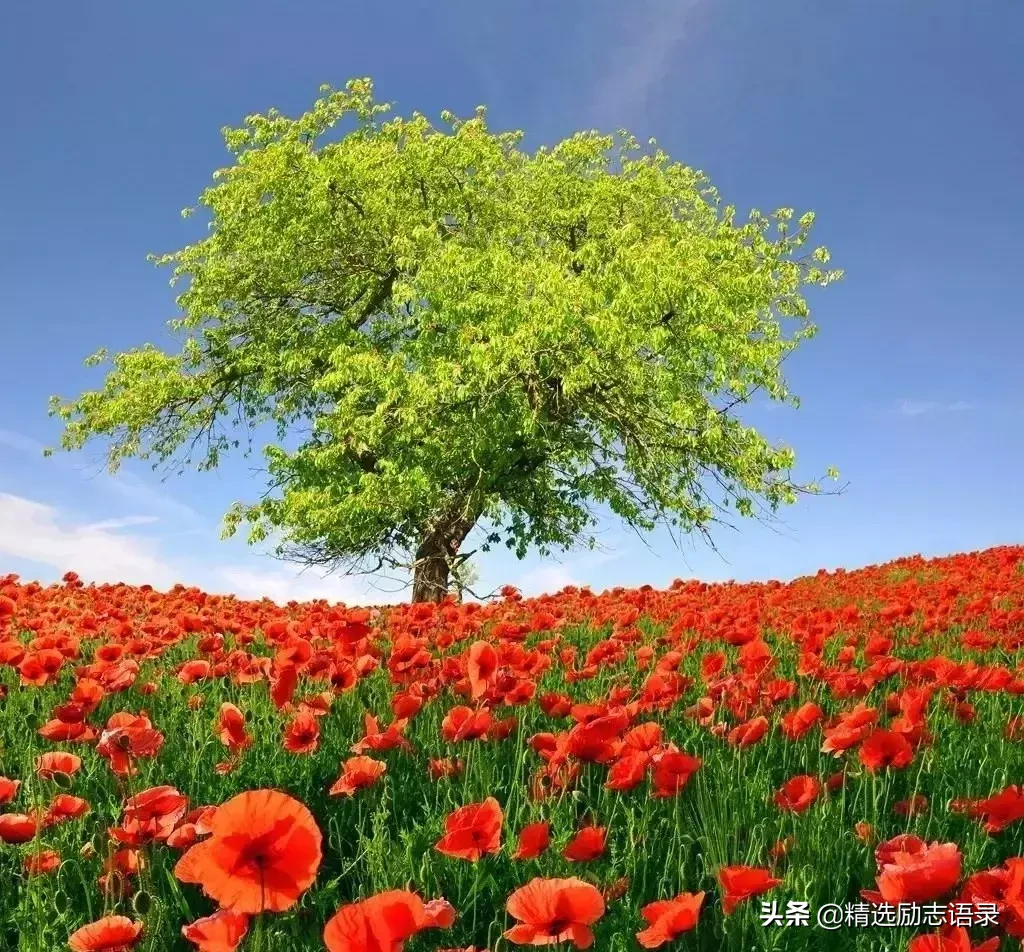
{"x": 706, "y": 767}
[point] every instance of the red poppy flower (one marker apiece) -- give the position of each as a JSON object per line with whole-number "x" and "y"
{"x": 672, "y": 771}
{"x": 741, "y": 882}
{"x": 483, "y": 663}
{"x": 406, "y": 705}
{"x": 1000, "y": 810}
{"x": 128, "y": 737}
{"x": 835, "y": 782}
{"x": 886, "y": 851}
{"x": 220, "y": 932}
{"x": 781, "y": 848}
{"x": 88, "y": 693}
{"x": 884, "y": 748}
{"x": 644, "y": 737}
{"x": 57, "y": 762}
{"x": 8, "y": 789}
{"x": 472, "y": 830}
{"x": 920, "y": 873}
{"x": 628, "y": 772}
{"x": 503, "y": 728}
{"x": 183, "y": 837}
{"x": 911, "y": 806}
{"x": 554, "y": 910}
{"x": 533, "y": 840}
{"x": 264, "y": 852}
{"x": 110, "y": 934}
{"x": 283, "y": 685}
{"x": 376, "y": 739}
{"x": 42, "y": 863}
{"x": 669, "y": 918}
{"x": 193, "y": 671}
{"x": 952, "y": 940}
{"x": 463, "y": 723}
{"x": 864, "y": 832}
{"x": 595, "y": 740}
{"x": 797, "y": 723}
{"x": 444, "y": 767}
{"x": 65, "y": 807}
{"x": 151, "y": 814}
{"x": 118, "y": 870}
{"x": 357, "y": 773}
{"x": 555, "y": 705}
{"x": 302, "y": 735}
{"x": 58, "y": 731}
{"x": 231, "y": 728}
{"x": 384, "y": 922}
{"x": 17, "y": 827}
{"x": 588, "y": 844}
{"x": 798, "y": 793}
{"x": 749, "y": 732}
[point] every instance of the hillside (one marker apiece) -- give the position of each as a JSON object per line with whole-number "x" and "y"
{"x": 549, "y": 769}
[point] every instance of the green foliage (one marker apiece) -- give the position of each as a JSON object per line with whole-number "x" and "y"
{"x": 443, "y": 330}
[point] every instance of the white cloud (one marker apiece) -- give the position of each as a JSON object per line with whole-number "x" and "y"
{"x": 282, "y": 585}
{"x": 106, "y": 551}
{"x": 649, "y": 34}
{"x": 38, "y": 533}
{"x": 35, "y": 532}
{"x": 125, "y": 522}
{"x": 916, "y": 407}
{"x": 912, "y": 408}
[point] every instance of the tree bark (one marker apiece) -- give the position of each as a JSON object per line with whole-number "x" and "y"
{"x": 439, "y": 546}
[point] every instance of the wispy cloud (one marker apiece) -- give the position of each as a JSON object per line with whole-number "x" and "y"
{"x": 37, "y": 533}
{"x": 49, "y": 537}
{"x": 647, "y": 38}
{"x": 913, "y": 408}
{"x": 20, "y": 442}
{"x": 124, "y": 484}
{"x": 43, "y": 535}
{"x": 125, "y": 522}
{"x": 282, "y": 585}
{"x": 552, "y": 576}
{"x": 131, "y": 487}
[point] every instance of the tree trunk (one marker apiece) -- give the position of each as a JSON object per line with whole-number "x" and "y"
{"x": 440, "y": 545}
{"x": 430, "y": 581}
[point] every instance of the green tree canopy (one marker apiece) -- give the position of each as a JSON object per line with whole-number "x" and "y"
{"x": 446, "y": 331}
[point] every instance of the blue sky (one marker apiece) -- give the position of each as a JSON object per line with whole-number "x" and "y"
{"x": 897, "y": 123}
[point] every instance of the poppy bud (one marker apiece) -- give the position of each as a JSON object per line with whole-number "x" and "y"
{"x": 142, "y": 903}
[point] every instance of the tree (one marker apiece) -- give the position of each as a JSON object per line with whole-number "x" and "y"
{"x": 440, "y": 331}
